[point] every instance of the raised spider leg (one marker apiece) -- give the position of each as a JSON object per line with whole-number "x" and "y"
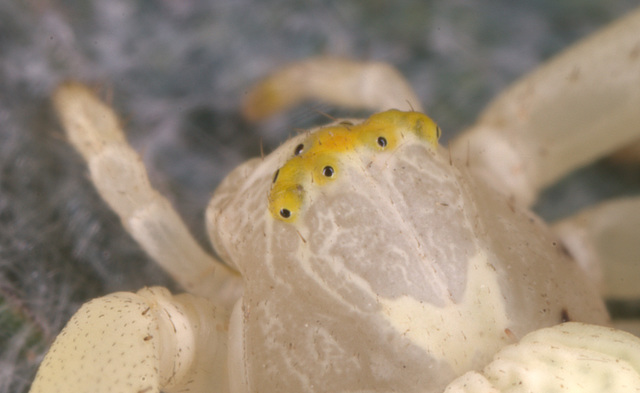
{"x": 578, "y": 107}
{"x": 121, "y": 179}
{"x": 148, "y": 341}
{"x": 368, "y": 85}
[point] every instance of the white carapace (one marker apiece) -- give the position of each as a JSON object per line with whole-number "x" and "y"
{"x": 406, "y": 272}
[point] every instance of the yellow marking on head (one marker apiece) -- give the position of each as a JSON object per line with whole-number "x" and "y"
{"x": 318, "y": 160}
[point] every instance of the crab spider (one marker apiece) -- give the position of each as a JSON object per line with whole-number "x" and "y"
{"x": 363, "y": 256}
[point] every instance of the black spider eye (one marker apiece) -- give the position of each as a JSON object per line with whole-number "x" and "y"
{"x": 275, "y": 176}
{"x": 328, "y": 171}
{"x": 298, "y": 149}
{"x": 382, "y": 141}
{"x": 285, "y": 213}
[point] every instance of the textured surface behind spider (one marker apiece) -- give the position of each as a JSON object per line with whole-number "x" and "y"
{"x": 178, "y": 70}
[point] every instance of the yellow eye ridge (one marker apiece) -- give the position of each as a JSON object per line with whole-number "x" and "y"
{"x": 318, "y": 160}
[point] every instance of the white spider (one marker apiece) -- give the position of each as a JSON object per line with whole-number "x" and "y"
{"x": 364, "y": 257}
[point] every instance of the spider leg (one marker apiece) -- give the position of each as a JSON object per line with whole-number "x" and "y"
{"x": 119, "y": 175}
{"x": 580, "y": 106}
{"x": 149, "y": 341}
{"x": 571, "y": 357}
{"x": 348, "y": 83}
{"x": 604, "y": 239}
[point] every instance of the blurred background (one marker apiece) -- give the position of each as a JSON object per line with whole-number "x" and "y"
{"x": 176, "y": 71}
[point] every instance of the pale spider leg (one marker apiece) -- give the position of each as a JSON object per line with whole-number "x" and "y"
{"x": 148, "y": 341}
{"x": 367, "y": 85}
{"x": 581, "y": 105}
{"x": 604, "y": 239}
{"x": 571, "y": 357}
{"x": 119, "y": 175}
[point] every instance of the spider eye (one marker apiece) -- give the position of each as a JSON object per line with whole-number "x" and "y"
{"x": 328, "y": 171}
{"x": 382, "y": 141}
{"x": 298, "y": 149}
{"x": 285, "y": 213}
{"x": 275, "y": 176}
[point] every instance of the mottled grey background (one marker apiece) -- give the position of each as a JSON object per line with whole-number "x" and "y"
{"x": 177, "y": 71}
